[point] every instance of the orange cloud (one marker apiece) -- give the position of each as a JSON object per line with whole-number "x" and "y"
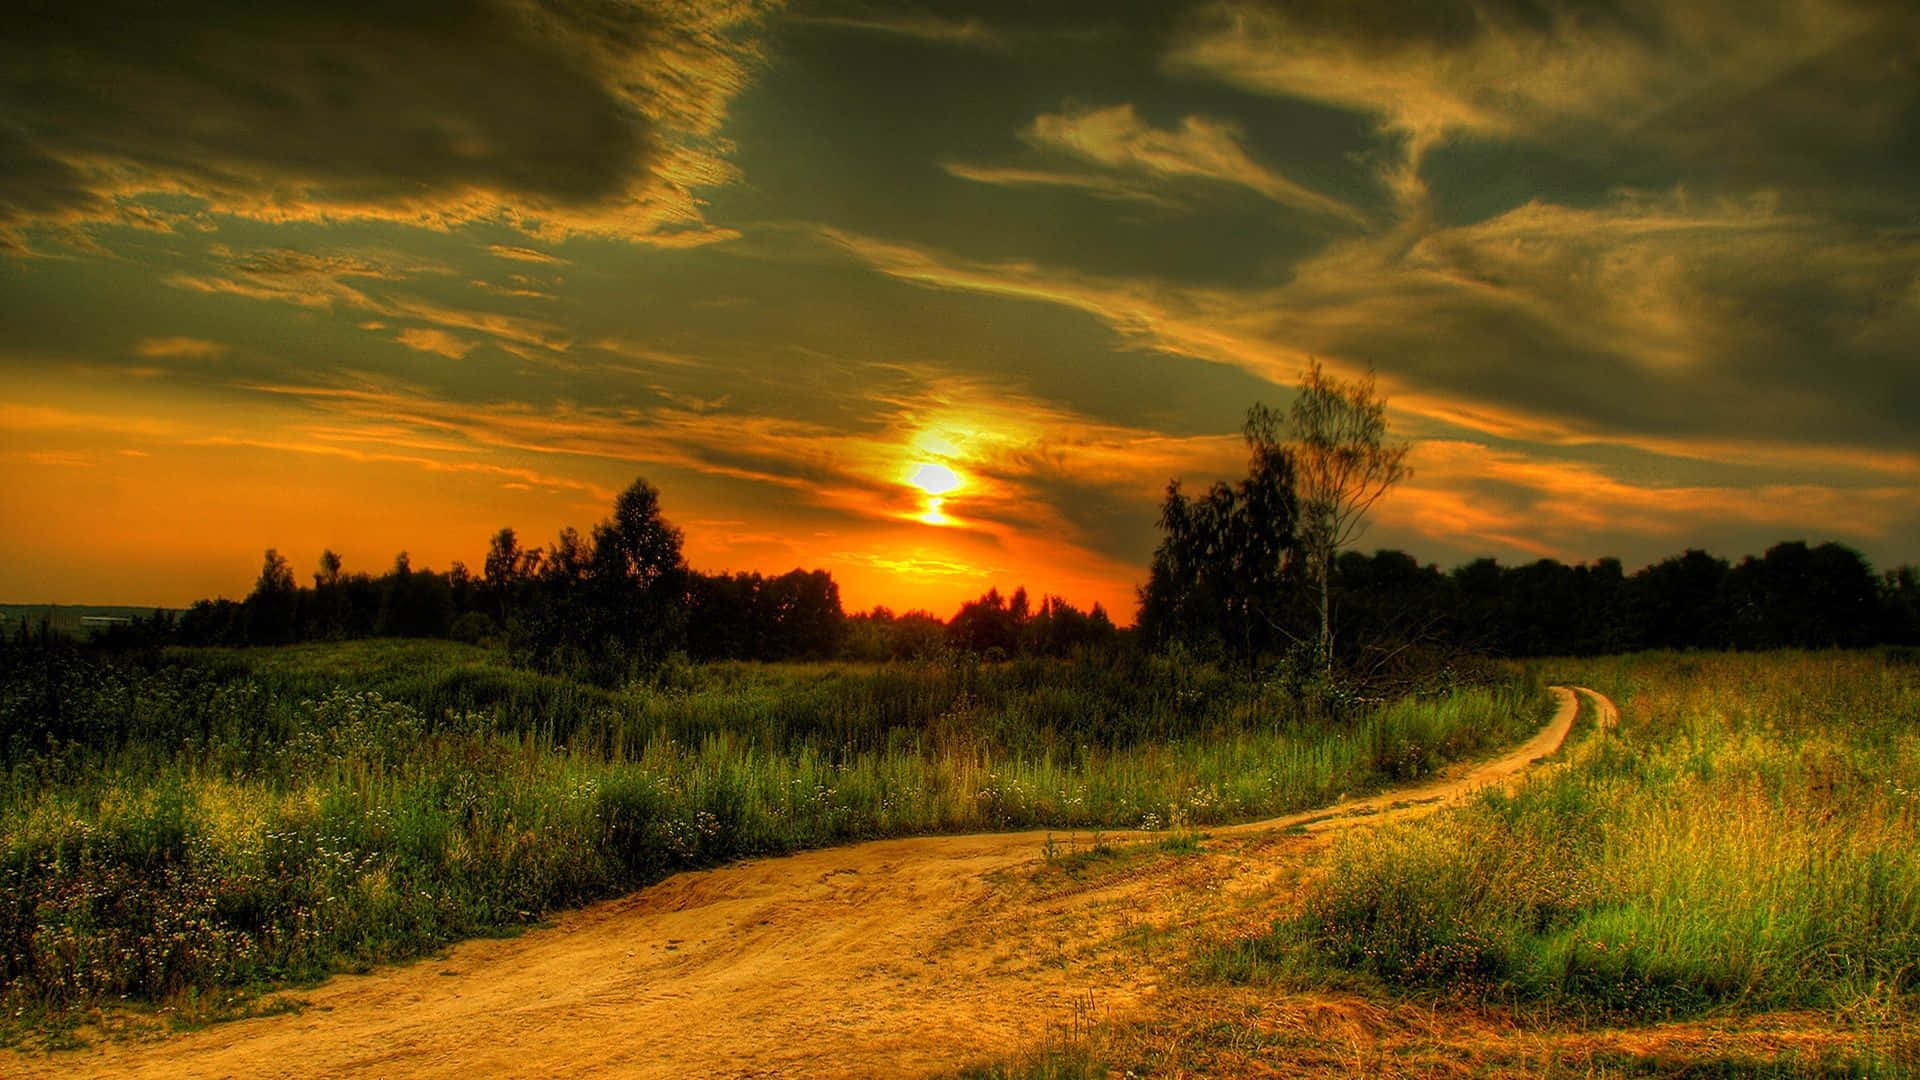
{"x": 173, "y": 348}
{"x": 1469, "y": 495}
{"x": 434, "y": 341}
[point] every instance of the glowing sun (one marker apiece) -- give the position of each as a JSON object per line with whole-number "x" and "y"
{"x": 933, "y": 478}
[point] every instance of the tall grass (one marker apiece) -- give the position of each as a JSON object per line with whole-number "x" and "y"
{"x": 1749, "y": 836}
{"x": 233, "y": 819}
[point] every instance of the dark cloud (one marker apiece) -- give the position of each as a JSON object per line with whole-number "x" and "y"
{"x": 426, "y": 110}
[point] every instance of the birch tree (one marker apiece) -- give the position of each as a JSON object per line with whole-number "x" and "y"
{"x": 1343, "y": 463}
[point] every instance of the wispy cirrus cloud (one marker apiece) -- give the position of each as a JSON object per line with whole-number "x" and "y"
{"x": 1723, "y": 87}
{"x": 1115, "y": 137}
{"x": 438, "y": 342}
{"x": 1097, "y": 184}
{"x": 345, "y": 282}
{"x": 1607, "y": 301}
{"x": 526, "y": 254}
{"x": 917, "y": 25}
{"x": 1133, "y": 160}
{"x": 1030, "y": 469}
{"x": 1471, "y": 498}
{"x": 176, "y": 348}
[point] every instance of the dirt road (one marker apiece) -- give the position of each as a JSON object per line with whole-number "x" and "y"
{"x": 890, "y": 957}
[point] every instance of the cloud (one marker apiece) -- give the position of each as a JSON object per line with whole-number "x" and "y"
{"x": 558, "y": 117}
{"x": 179, "y": 348}
{"x": 345, "y": 281}
{"x": 1029, "y": 468}
{"x": 919, "y": 569}
{"x": 1724, "y": 89}
{"x": 1116, "y": 138}
{"x": 1504, "y": 67}
{"x": 918, "y": 25}
{"x": 435, "y": 341}
{"x": 373, "y": 442}
{"x": 1103, "y": 186}
{"x": 1474, "y": 498}
{"x": 524, "y": 254}
{"x": 1647, "y": 326}
{"x": 58, "y": 459}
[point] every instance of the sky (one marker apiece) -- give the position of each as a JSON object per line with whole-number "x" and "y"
{"x": 940, "y": 297}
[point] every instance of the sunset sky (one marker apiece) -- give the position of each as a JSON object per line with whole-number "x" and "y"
{"x": 1634, "y": 276}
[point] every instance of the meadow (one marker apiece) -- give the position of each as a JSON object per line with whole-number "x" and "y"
{"x": 1746, "y": 840}
{"x": 195, "y": 825}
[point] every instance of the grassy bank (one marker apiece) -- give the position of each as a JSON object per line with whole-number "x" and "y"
{"x": 215, "y": 820}
{"x": 1749, "y": 838}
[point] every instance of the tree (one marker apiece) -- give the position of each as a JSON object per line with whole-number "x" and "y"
{"x": 276, "y": 577}
{"x": 507, "y": 575}
{"x": 272, "y": 609}
{"x": 330, "y": 608}
{"x": 988, "y": 626}
{"x": 1343, "y": 464}
{"x": 638, "y": 583}
{"x": 1680, "y": 602}
{"x": 329, "y": 573}
{"x": 1900, "y": 605}
{"x": 1220, "y": 575}
{"x": 613, "y": 605}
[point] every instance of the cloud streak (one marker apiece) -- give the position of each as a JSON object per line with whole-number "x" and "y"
{"x": 1137, "y": 161}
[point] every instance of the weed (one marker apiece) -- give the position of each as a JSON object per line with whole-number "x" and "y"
{"x": 1749, "y": 837}
{"x": 219, "y": 819}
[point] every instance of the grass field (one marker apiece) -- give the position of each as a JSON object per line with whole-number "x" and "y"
{"x": 194, "y": 827}
{"x": 1750, "y": 837}
{"x": 1726, "y": 884}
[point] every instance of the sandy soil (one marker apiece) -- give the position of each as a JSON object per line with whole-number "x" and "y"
{"x": 890, "y": 957}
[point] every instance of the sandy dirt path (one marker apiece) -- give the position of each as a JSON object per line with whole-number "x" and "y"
{"x": 890, "y": 957}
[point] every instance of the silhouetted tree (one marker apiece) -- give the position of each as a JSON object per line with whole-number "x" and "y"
{"x": 610, "y": 607}
{"x": 1221, "y": 573}
{"x": 1900, "y": 606}
{"x": 1680, "y": 602}
{"x": 272, "y": 608}
{"x": 329, "y": 612}
{"x": 638, "y": 581}
{"x": 986, "y": 626}
{"x": 881, "y": 635}
{"x": 750, "y": 617}
{"x": 1800, "y": 597}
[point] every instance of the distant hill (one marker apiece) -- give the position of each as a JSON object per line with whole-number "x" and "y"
{"x": 69, "y": 620}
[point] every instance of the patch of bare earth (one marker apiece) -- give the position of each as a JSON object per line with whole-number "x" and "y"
{"x": 1243, "y": 1031}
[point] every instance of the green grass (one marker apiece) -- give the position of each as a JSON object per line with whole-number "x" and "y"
{"x": 237, "y": 819}
{"x": 1748, "y": 839}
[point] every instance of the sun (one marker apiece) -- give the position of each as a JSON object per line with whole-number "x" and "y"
{"x": 933, "y": 478}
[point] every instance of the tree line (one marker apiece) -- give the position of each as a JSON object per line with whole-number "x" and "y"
{"x": 1391, "y": 612}
{"x": 1225, "y": 585}
{"x": 613, "y": 603}
{"x": 1256, "y": 571}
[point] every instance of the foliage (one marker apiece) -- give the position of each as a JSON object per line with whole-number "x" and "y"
{"x": 1750, "y": 835}
{"x": 228, "y": 818}
{"x": 1225, "y": 567}
{"x": 610, "y": 606}
{"x": 1343, "y": 465}
{"x": 996, "y": 626}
